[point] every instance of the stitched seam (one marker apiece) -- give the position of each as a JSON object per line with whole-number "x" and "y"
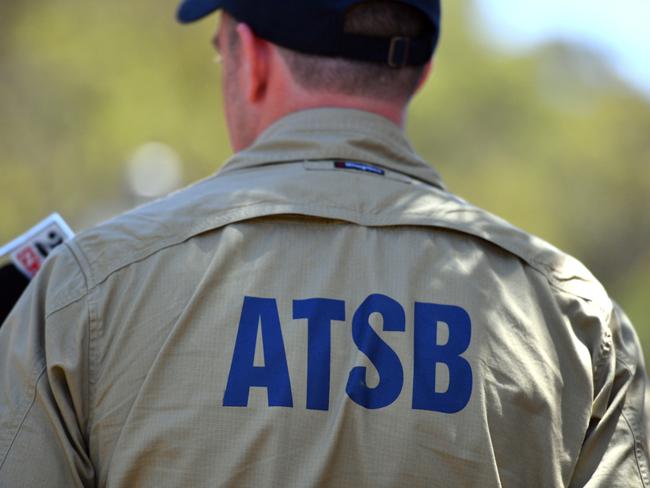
{"x": 231, "y": 216}
{"x": 638, "y": 452}
{"x": 555, "y": 286}
{"x": 87, "y": 345}
{"x": 65, "y": 302}
{"x": 84, "y": 265}
{"x": 90, "y": 369}
{"x": 59, "y": 309}
{"x": 24, "y": 418}
{"x": 70, "y": 298}
{"x": 248, "y": 211}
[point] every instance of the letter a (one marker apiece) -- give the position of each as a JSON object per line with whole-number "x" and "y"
{"x": 274, "y": 375}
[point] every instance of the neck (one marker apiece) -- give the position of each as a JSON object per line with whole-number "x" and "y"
{"x": 285, "y": 105}
{"x": 397, "y": 115}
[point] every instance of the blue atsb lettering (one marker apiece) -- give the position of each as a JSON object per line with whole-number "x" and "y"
{"x": 389, "y": 367}
{"x": 428, "y": 354}
{"x": 274, "y": 375}
{"x": 319, "y": 313}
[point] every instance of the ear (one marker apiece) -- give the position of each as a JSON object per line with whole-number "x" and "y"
{"x": 255, "y": 57}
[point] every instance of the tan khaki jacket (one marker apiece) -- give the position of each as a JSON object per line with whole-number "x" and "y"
{"x": 321, "y": 313}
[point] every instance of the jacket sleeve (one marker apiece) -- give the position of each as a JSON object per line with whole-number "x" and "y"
{"x": 615, "y": 451}
{"x": 44, "y": 380}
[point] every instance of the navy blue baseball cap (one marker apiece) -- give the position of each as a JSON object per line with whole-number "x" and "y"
{"x": 317, "y": 27}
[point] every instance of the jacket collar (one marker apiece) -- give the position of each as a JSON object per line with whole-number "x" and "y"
{"x": 334, "y": 133}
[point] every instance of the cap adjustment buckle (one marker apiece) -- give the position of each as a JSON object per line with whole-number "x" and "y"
{"x": 398, "y": 54}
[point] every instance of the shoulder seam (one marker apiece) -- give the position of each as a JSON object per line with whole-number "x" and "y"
{"x": 84, "y": 267}
{"x": 69, "y": 298}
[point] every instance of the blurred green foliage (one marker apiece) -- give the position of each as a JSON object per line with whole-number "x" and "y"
{"x": 551, "y": 139}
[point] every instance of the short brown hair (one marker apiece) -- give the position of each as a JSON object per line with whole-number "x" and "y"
{"x": 380, "y": 18}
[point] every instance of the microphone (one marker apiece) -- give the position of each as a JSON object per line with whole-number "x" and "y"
{"x": 25, "y": 255}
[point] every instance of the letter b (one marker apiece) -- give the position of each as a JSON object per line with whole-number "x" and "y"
{"x": 428, "y": 353}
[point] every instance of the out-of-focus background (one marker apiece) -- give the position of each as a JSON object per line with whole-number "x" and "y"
{"x": 538, "y": 111}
